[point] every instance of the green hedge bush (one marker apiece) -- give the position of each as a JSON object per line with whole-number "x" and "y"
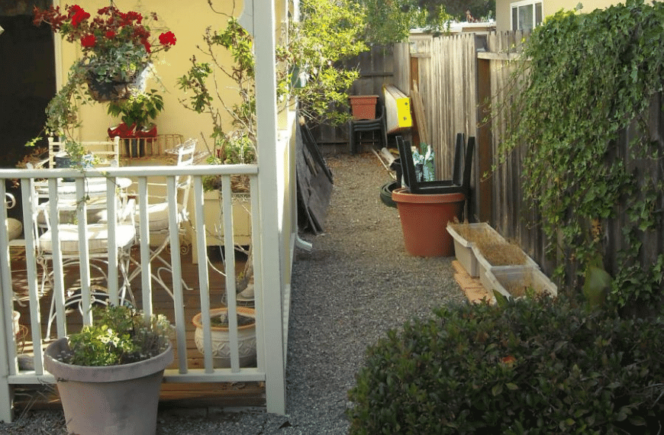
{"x": 535, "y": 367}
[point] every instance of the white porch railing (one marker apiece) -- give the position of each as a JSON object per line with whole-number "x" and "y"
{"x": 268, "y": 318}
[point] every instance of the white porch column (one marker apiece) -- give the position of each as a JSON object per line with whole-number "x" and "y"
{"x": 268, "y": 182}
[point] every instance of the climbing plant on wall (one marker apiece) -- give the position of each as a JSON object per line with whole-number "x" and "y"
{"x": 586, "y": 80}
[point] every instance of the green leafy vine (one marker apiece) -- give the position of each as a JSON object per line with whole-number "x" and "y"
{"x": 586, "y": 84}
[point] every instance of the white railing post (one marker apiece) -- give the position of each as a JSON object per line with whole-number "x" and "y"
{"x": 268, "y": 182}
{"x": 6, "y": 394}
{"x": 270, "y": 368}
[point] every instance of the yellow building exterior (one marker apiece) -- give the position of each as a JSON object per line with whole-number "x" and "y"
{"x": 188, "y": 21}
{"x": 525, "y": 14}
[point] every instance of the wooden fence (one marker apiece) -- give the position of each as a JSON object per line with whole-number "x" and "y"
{"x": 459, "y": 78}
{"x": 376, "y": 69}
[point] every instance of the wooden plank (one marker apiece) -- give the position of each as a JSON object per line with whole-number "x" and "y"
{"x": 498, "y": 56}
{"x": 414, "y": 72}
{"x": 484, "y": 151}
{"x": 420, "y": 117}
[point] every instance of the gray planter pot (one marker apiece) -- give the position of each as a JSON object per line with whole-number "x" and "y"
{"x": 110, "y": 400}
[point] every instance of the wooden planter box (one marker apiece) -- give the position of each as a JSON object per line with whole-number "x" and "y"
{"x": 516, "y": 279}
{"x": 363, "y": 106}
{"x": 463, "y": 248}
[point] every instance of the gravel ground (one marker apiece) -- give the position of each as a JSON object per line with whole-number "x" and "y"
{"x": 357, "y": 283}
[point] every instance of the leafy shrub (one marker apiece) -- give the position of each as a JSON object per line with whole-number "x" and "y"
{"x": 118, "y": 335}
{"x": 534, "y": 366}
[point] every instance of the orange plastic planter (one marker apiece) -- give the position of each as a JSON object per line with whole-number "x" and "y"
{"x": 424, "y": 220}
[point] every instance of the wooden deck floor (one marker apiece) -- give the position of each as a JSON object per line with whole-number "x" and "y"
{"x": 181, "y": 395}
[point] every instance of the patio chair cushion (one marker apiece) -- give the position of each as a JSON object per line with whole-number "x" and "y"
{"x": 158, "y": 216}
{"x": 14, "y": 228}
{"x": 97, "y": 235}
{"x": 94, "y": 216}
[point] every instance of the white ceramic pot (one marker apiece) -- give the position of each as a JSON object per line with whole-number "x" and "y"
{"x": 221, "y": 350}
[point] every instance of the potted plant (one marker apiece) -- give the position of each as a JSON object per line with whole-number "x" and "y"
{"x": 221, "y": 352}
{"x": 136, "y": 112}
{"x": 109, "y": 374}
{"x": 117, "y": 52}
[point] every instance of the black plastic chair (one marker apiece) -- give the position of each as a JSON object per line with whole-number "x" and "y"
{"x": 460, "y": 182}
{"x": 366, "y": 125}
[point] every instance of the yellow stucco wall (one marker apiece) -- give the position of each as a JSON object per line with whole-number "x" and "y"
{"x": 188, "y": 21}
{"x": 550, "y": 7}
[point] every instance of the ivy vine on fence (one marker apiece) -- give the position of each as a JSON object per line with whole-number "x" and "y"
{"x": 587, "y": 79}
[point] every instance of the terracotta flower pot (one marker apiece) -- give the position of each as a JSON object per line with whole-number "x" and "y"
{"x": 424, "y": 219}
{"x": 117, "y": 400}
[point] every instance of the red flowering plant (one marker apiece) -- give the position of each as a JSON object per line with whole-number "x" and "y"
{"x": 117, "y": 49}
{"x": 115, "y": 45}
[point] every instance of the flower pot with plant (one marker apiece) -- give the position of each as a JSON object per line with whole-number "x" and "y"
{"x": 116, "y": 46}
{"x": 109, "y": 374}
{"x": 117, "y": 53}
{"x": 136, "y": 113}
{"x": 221, "y": 352}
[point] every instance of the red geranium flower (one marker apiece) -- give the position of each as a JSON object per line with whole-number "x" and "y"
{"x": 88, "y": 41}
{"x": 74, "y": 9}
{"x": 146, "y": 44}
{"x": 110, "y": 34}
{"x": 167, "y": 38}
{"x": 79, "y": 15}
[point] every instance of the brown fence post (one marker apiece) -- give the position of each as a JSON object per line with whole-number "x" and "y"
{"x": 484, "y": 143}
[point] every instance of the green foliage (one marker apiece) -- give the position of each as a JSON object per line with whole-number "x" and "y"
{"x": 587, "y": 78}
{"x": 535, "y": 367}
{"x": 117, "y": 336}
{"x": 479, "y": 9}
{"x": 139, "y": 109}
{"x": 391, "y": 21}
{"x": 329, "y": 31}
{"x": 206, "y": 93}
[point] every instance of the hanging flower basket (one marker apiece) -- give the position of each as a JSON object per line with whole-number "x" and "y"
{"x": 104, "y": 89}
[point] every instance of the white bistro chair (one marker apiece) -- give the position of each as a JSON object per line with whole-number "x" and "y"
{"x": 14, "y": 226}
{"x": 158, "y": 217}
{"x": 98, "y": 246}
{"x": 105, "y": 153}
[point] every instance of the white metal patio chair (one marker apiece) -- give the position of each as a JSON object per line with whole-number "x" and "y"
{"x": 70, "y": 246}
{"x": 14, "y": 226}
{"x": 104, "y": 152}
{"x": 158, "y": 217}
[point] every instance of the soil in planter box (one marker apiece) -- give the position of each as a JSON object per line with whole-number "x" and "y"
{"x": 519, "y": 288}
{"x": 501, "y": 254}
{"x": 474, "y": 234}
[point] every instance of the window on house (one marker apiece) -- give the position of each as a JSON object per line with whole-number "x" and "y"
{"x": 526, "y": 14}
